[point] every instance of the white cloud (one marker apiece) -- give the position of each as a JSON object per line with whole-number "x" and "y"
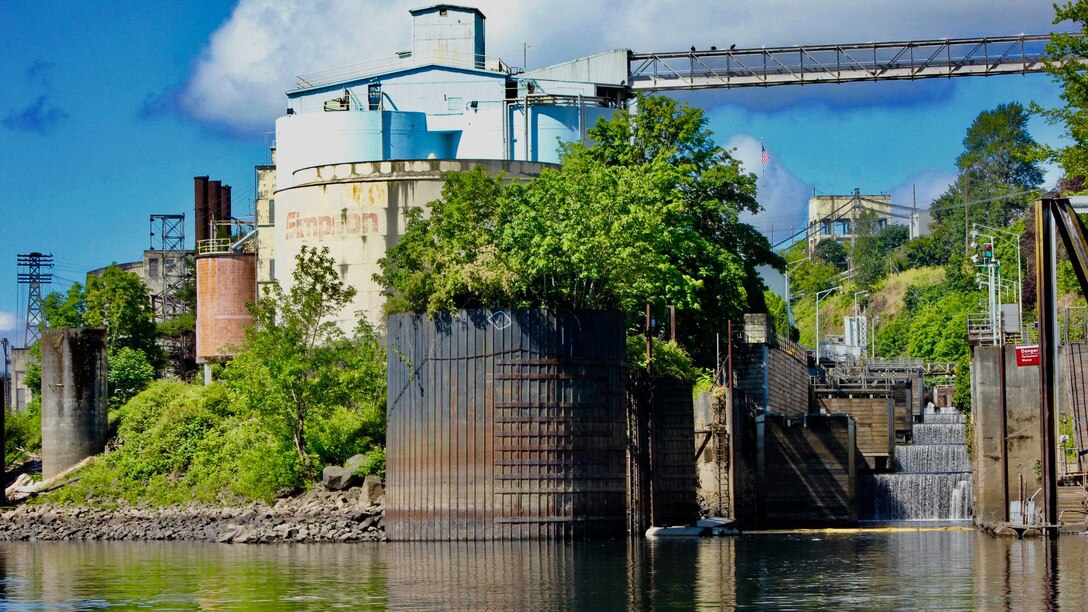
{"x": 929, "y": 186}
{"x": 7, "y": 321}
{"x": 783, "y": 196}
{"x": 253, "y": 57}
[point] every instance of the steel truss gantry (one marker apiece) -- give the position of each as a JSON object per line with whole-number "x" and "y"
{"x": 174, "y": 270}
{"x": 34, "y": 272}
{"x": 844, "y": 63}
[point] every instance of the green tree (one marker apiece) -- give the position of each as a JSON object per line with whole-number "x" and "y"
{"x": 999, "y": 151}
{"x": 648, "y": 212}
{"x": 874, "y": 247}
{"x": 832, "y": 252}
{"x": 65, "y": 310}
{"x": 130, "y": 372}
{"x": 298, "y": 367}
{"x": 119, "y": 302}
{"x": 1063, "y": 61}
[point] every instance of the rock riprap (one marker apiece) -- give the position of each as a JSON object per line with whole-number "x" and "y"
{"x": 317, "y": 516}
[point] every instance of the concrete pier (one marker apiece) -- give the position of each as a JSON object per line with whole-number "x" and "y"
{"x": 74, "y": 394}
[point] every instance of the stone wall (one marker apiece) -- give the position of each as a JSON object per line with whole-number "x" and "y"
{"x": 769, "y": 375}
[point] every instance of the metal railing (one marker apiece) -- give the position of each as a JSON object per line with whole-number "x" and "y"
{"x": 810, "y": 64}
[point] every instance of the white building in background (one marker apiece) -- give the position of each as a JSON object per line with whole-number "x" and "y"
{"x": 833, "y": 217}
{"x": 919, "y": 223}
{"x": 361, "y": 144}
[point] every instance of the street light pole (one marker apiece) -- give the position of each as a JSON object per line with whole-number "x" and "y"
{"x": 819, "y": 295}
{"x": 1019, "y": 268}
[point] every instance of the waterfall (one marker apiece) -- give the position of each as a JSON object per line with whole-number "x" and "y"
{"x": 932, "y": 478}
{"x": 920, "y": 458}
{"x": 938, "y": 433}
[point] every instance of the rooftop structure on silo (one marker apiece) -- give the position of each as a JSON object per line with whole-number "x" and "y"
{"x": 361, "y": 144}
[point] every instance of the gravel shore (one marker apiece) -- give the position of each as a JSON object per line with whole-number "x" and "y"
{"x": 317, "y": 516}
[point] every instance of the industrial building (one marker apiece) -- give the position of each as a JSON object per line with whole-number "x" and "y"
{"x": 360, "y": 145}
{"x": 835, "y": 217}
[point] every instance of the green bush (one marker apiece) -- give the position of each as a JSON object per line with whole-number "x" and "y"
{"x": 342, "y": 434}
{"x": 669, "y": 360}
{"x": 23, "y": 430}
{"x": 373, "y": 464}
{"x": 180, "y": 442}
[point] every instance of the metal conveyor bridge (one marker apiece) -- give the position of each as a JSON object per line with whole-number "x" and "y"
{"x": 841, "y": 63}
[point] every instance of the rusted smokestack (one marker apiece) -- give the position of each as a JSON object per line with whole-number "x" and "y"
{"x": 214, "y": 188}
{"x": 224, "y": 203}
{"x": 200, "y": 200}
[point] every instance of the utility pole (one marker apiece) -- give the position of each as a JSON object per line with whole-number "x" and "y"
{"x": 854, "y": 222}
{"x": 966, "y": 223}
{"x": 31, "y": 275}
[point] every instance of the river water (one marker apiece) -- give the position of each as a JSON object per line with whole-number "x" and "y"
{"x": 880, "y": 569}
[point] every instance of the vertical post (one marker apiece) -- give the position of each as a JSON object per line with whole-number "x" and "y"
{"x": 526, "y": 108}
{"x": 1002, "y": 408}
{"x": 1047, "y": 299}
{"x": 3, "y": 424}
{"x": 966, "y": 223}
{"x": 731, "y": 417}
{"x": 672, "y": 323}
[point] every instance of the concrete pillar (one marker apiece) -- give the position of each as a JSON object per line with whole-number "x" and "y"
{"x": 74, "y": 394}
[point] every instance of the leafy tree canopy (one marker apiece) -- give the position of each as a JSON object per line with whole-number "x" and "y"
{"x": 297, "y": 367}
{"x": 832, "y": 252}
{"x": 1063, "y": 62}
{"x": 119, "y": 302}
{"x": 999, "y": 151}
{"x": 648, "y": 212}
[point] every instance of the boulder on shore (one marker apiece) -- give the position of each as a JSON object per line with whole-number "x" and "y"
{"x": 336, "y": 478}
{"x": 354, "y": 463}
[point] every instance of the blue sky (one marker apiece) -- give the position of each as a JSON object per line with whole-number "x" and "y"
{"x": 110, "y": 108}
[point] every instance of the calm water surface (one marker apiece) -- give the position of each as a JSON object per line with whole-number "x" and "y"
{"x": 933, "y": 570}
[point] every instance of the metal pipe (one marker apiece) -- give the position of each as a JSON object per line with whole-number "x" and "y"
{"x": 526, "y": 110}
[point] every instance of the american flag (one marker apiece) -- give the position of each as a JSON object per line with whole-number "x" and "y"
{"x": 763, "y": 155}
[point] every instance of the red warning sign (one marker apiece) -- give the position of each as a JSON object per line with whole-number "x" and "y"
{"x": 1027, "y": 355}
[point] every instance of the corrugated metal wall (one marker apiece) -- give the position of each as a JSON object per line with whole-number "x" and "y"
{"x": 505, "y": 425}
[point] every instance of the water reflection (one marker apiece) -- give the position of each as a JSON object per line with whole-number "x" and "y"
{"x": 877, "y": 569}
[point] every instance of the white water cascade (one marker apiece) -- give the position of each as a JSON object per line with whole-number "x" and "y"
{"x": 932, "y": 478}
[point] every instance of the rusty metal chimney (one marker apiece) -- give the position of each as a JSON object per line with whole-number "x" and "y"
{"x": 214, "y": 187}
{"x": 224, "y": 203}
{"x": 200, "y": 199}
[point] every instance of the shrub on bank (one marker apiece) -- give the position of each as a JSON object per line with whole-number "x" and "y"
{"x": 178, "y": 442}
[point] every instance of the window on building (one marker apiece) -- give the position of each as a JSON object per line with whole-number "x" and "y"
{"x": 271, "y": 212}
{"x": 271, "y": 269}
{"x": 842, "y": 228}
{"x": 153, "y": 268}
{"x": 825, "y": 229}
{"x": 374, "y": 96}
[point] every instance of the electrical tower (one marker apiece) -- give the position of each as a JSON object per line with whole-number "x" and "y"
{"x": 31, "y": 275}
{"x": 168, "y": 263}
